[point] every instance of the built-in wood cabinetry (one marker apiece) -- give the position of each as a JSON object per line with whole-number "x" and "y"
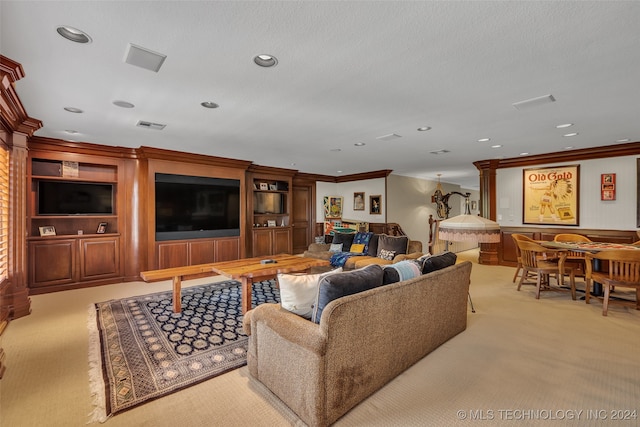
{"x": 270, "y": 208}
{"x": 66, "y": 249}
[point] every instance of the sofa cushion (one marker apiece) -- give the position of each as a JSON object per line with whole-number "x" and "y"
{"x": 346, "y": 283}
{"x": 298, "y": 291}
{"x": 363, "y": 238}
{"x": 398, "y": 244}
{"x": 437, "y": 262}
{"x": 345, "y": 238}
{"x": 372, "y": 250}
{"x": 335, "y": 247}
{"x": 403, "y": 270}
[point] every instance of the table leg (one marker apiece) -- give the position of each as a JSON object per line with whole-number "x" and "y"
{"x": 246, "y": 284}
{"x": 177, "y": 288}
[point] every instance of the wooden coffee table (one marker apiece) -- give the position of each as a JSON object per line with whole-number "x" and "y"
{"x": 246, "y": 270}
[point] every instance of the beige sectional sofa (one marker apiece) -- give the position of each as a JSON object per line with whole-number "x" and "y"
{"x": 361, "y": 343}
{"x": 321, "y": 251}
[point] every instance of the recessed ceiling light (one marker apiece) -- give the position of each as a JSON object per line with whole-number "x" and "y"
{"x": 123, "y": 104}
{"x": 335, "y": 150}
{"x": 496, "y": 146}
{"x": 571, "y": 134}
{"x": 423, "y": 128}
{"x": 524, "y": 154}
{"x": 266, "y": 60}
{"x": 568, "y": 147}
{"x": 439, "y": 152}
{"x": 484, "y": 139}
{"x": 623, "y": 140}
{"x": 209, "y": 104}
{"x": 564, "y": 125}
{"x": 70, "y": 131}
{"x": 339, "y": 171}
{"x": 73, "y": 34}
{"x": 73, "y": 110}
{"x": 359, "y": 144}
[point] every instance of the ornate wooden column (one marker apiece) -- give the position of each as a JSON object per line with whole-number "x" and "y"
{"x": 16, "y": 127}
{"x": 487, "y": 169}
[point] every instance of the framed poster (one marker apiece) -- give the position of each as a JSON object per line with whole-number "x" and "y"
{"x": 608, "y": 186}
{"x": 47, "y": 230}
{"x": 332, "y": 207}
{"x": 550, "y": 195}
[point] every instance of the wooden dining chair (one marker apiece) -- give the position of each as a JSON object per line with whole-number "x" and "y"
{"x": 544, "y": 262}
{"x": 623, "y": 271}
{"x": 574, "y": 259}
{"x": 516, "y": 237}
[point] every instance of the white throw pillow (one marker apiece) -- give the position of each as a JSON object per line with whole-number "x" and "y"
{"x": 298, "y": 291}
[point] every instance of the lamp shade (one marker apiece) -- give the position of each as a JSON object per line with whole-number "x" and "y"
{"x": 469, "y": 228}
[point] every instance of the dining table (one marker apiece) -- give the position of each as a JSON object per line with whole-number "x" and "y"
{"x": 592, "y": 247}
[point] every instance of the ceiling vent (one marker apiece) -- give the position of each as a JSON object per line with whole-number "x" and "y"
{"x": 150, "y": 125}
{"x": 144, "y": 58}
{"x": 439, "y": 152}
{"x": 389, "y": 137}
{"x": 533, "y": 102}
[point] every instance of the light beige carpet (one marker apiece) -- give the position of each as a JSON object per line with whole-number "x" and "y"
{"x": 547, "y": 362}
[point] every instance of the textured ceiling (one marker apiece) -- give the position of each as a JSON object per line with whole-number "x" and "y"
{"x": 348, "y": 72}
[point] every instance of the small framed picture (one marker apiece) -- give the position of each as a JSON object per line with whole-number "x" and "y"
{"x": 358, "y": 201}
{"x": 47, "y": 230}
{"x": 375, "y": 205}
{"x": 273, "y": 187}
{"x": 102, "y": 228}
{"x": 271, "y": 223}
{"x": 264, "y": 186}
{"x": 474, "y": 205}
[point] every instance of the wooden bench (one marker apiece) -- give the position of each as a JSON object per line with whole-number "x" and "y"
{"x": 176, "y": 274}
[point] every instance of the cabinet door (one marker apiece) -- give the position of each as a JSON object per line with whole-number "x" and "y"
{"x": 201, "y": 252}
{"x": 227, "y": 249}
{"x": 52, "y": 262}
{"x": 281, "y": 241}
{"x": 99, "y": 258}
{"x": 172, "y": 254}
{"x": 262, "y": 242}
{"x": 302, "y": 218}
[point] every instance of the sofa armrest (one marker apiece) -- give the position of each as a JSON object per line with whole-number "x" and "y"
{"x": 319, "y": 247}
{"x": 414, "y": 246}
{"x": 289, "y": 326}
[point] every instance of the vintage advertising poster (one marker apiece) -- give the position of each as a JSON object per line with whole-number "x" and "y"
{"x": 332, "y": 207}
{"x": 550, "y": 195}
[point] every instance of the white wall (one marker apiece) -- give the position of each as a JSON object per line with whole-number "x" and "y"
{"x": 370, "y": 187}
{"x": 619, "y": 214}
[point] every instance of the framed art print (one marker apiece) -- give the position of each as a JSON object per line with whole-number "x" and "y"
{"x": 550, "y": 195}
{"x": 358, "y": 201}
{"x": 375, "y": 205}
{"x": 102, "y": 228}
{"x": 47, "y": 230}
{"x": 608, "y": 186}
{"x": 332, "y": 207}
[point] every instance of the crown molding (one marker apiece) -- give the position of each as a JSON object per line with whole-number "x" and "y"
{"x": 13, "y": 117}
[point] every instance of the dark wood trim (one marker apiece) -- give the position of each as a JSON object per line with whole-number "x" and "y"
{"x": 617, "y": 150}
{"x": 84, "y": 148}
{"x": 13, "y": 116}
{"x": 638, "y": 193}
{"x": 201, "y": 159}
{"x": 365, "y": 175}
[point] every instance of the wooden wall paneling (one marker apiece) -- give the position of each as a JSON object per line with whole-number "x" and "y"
{"x": 227, "y": 249}
{"x": 99, "y": 257}
{"x": 52, "y": 262}
{"x": 262, "y": 242}
{"x": 172, "y": 254}
{"x": 201, "y": 251}
{"x": 282, "y": 241}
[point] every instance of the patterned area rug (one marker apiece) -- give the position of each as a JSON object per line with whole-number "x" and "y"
{"x": 140, "y": 349}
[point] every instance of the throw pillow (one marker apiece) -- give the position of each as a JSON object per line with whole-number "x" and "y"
{"x": 388, "y": 255}
{"x": 357, "y": 248}
{"x": 403, "y": 270}
{"x": 437, "y": 262}
{"x": 335, "y": 247}
{"x": 347, "y": 283}
{"x": 363, "y": 237}
{"x": 298, "y": 291}
{"x": 345, "y": 238}
{"x": 398, "y": 244}
{"x": 372, "y": 250}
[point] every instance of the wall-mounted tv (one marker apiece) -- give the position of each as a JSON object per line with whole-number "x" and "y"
{"x": 191, "y": 207}
{"x": 268, "y": 203}
{"x": 74, "y": 198}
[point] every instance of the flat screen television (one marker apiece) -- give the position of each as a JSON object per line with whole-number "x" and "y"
{"x": 191, "y": 207}
{"x": 74, "y": 198}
